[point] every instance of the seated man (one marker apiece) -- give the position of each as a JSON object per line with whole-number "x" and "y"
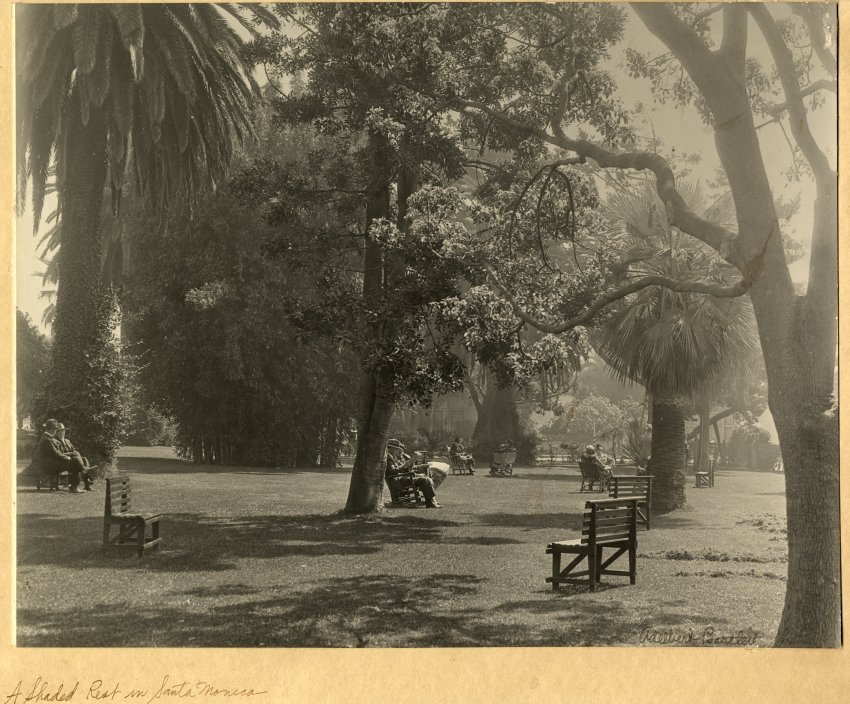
{"x": 604, "y": 458}
{"x": 506, "y": 446}
{"x": 54, "y": 459}
{"x": 603, "y": 473}
{"x": 457, "y": 453}
{"x": 398, "y": 462}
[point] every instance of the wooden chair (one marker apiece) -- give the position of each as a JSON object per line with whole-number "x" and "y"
{"x": 608, "y": 523}
{"x": 457, "y": 465}
{"x": 639, "y": 487}
{"x": 403, "y": 491}
{"x": 706, "y": 479}
{"x": 132, "y": 527}
{"x": 503, "y": 463}
{"x": 589, "y": 475}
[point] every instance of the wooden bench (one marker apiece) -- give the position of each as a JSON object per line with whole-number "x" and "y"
{"x": 132, "y": 527}
{"x": 503, "y": 463}
{"x": 457, "y": 465}
{"x": 52, "y": 481}
{"x": 403, "y": 489}
{"x": 639, "y": 487}
{"x": 706, "y": 479}
{"x": 608, "y": 523}
{"x": 590, "y": 474}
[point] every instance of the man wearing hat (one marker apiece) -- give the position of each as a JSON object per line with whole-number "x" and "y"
{"x": 53, "y": 459}
{"x": 398, "y": 462}
{"x": 78, "y": 462}
{"x": 603, "y": 474}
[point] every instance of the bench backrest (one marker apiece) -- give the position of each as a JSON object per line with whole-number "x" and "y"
{"x": 608, "y": 520}
{"x": 588, "y": 468}
{"x": 117, "y": 496}
{"x": 621, "y": 487}
{"x": 508, "y": 457}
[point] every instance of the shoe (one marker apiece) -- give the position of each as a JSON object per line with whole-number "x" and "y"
{"x": 75, "y": 490}
{"x": 88, "y": 488}
{"x": 432, "y": 504}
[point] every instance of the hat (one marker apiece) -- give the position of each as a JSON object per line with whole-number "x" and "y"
{"x": 60, "y": 426}
{"x": 395, "y": 443}
{"x": 590, "y": 450}
{"x": 51, "y": 424}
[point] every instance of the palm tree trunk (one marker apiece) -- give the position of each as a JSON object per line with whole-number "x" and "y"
{"x": 83, "y": 390}
{"x": 667, "y": 463}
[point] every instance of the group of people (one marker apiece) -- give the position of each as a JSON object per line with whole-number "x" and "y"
{"x": 56, "y": 454}
{"x": 602, "y": 463}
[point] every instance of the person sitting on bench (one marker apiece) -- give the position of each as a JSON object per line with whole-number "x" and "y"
{"x": 458, "y": 454}
{"x": 603, "y": 473}
{"x": 54, "y": 459}
{"x": 398, "y": 462}
{"x": 68, "y": 449}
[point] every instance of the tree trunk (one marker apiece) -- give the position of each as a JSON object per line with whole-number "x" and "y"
{"x": 667, "y": 462}
{"x": 365, "y": 492}
{"x": 498, "y": 421}
{"x": 83, "y": 388}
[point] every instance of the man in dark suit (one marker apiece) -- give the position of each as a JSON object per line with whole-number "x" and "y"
{"x": 79, "y": 464}
{"x": 54, "y": 459}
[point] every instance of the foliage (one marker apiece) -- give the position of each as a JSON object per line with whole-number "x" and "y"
{"x": 32, "y": 358}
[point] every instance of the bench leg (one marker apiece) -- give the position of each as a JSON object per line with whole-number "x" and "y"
{"x": 633, "y": 564}
{"x": 592, "y": 567}
{"x": 598, "y": 563}
{"x": 155, "y": 530}
{"x": 556, "y": 569}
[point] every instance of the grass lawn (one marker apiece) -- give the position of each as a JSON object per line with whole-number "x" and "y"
{"x": 255, "y": 557}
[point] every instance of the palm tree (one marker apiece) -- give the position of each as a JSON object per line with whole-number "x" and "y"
{"x": 675, "y": 344}
{"x": 153, "y": 95}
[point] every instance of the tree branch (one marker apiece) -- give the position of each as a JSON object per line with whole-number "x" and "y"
{"x": 793, "y": 95}
{"x": 822, "y": 84}
{"x": 734, "y": 43}
{"x": 719, "y": 238}
{"x": 616, "y": 294}
{"x": 716, "y": 418}
{"x": 815, "y": 27}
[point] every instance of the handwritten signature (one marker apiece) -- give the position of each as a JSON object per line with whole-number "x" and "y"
{"x": 44, "y": 691}
{"x": 708, "y": 636}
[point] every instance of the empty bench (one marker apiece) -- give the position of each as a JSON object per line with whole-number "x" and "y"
{"x": 608, "y": 523}
{"x": 706, "y": 479}
{"x": 638, "y": 487}
{"x": 132, "y": 527}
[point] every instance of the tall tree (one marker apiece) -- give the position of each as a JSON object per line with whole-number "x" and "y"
{"x": 156, "y": 92}
{"x": 797, "y": 332}
{"x": 32, "y": 357}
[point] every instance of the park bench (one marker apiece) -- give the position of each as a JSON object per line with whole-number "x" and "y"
{"x": 52, "y": 480}
{"x": 639, "y": 487}
{"x": 132, "y": 527}
{"x": 706, "y": 479}
{"x": 589, "y": 475}
{"x": 402, "y": 488}
{"x": 503, "y": 463}
{"x": 608, "y": 523}
{"x": 457, "y": 465}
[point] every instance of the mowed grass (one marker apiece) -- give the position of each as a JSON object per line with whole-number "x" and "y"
{"x": 254, "y": 557}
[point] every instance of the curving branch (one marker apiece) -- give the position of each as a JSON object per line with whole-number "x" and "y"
{"x": 810, "y": 16}
{"x": 822, "y": 84}
{"x": 793, "y": 95}
{"x": 680, "y": 215}
{"x": 616, "y": 294}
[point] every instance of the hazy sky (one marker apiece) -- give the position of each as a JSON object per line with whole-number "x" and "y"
{"x": 679, "y": 128}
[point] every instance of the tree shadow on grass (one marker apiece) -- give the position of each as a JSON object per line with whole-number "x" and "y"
{"x": 566, "y": 521}
{"x": 194, "y": 542}
{"x": 170, "y": 465}
{"x": 358, "y": 611}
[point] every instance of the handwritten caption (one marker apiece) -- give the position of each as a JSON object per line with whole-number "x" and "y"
{"x": 42, "y": 690}
{"x": 745, "y": 637}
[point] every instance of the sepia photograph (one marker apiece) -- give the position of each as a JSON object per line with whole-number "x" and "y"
{"x": 424, "y": 325}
